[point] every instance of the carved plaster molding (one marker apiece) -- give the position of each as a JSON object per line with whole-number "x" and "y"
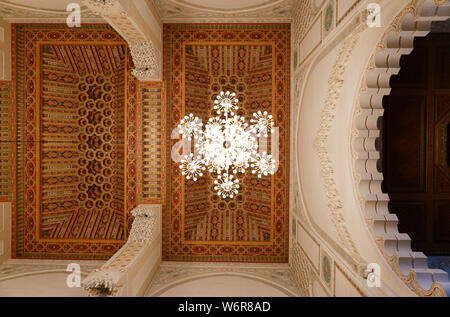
{"x": 145, "y": 226}
{"x": 146, "y": 57}
{"x": 16, "y": 268}
{"x": 175, "y": 273}
{"x": 304, "y": 14}
{"x": 301, "y": 270}
{"x": 411, "y": 267}
{"x": 328, "y": 114}
{"x": 182, "y": 12}
{"x": 101, "y": 284}
{"x": 110, "y": 278}
{"x": 353, "y": 28}
{"x": 102, "y": 7}
{"x": 297, "y": 206}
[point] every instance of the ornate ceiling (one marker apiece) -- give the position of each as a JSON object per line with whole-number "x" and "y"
{"x": 224, "y": 11}
{"x": 57, "y": 216}
{"x": 253, "y": 61}
{"x": 72, "y": 150}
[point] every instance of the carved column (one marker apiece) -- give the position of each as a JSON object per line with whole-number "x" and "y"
{"x": 112, "y": 279}
{"x": 146, "y": 224}
{"x": 138, "y": 26}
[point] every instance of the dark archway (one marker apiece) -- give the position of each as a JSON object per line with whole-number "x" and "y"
{"x": 416, "y": 154}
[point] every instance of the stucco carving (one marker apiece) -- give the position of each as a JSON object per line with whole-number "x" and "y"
{"x": 145, "y": 224}
{"x": 304, "y": 13}
{"x": 13, "y": 12}
{"x": 109, "y": 280}
{"x": 350, "y": 29}
{"x": 181, "y": 11}
{"x": 301, "y": 270}
{"x": 335, "y": 82}
{"x": 297, "y": 206}
{"x": 411, "y": 267}
{"x": 102, "y": 285}
{"x": 101, "y": 6}
{"x": 145, "y": 59}
{"x": 14, "y": 268}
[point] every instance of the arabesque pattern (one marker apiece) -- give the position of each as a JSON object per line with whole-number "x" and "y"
{"x": 82, "y": 135}
{"x": 73, "y": 194}
{"x": 253, "y": 61}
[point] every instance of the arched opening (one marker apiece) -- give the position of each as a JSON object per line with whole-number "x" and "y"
{"x": 415, "y": 145}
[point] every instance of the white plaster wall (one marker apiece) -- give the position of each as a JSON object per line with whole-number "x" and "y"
{"x": 318, "y": 290}
{"x": 313, "y": 92}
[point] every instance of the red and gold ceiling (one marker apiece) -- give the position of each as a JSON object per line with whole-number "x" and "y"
{"x": 92, "y": 142}
{"x": 76, "y": 141}
{"x": 253, "y": 61}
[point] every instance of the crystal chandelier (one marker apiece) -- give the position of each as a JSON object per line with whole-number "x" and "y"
{"x": 227, "y": 145}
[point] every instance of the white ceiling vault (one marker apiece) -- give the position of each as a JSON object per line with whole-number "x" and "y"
{"x": 50, "y": 11}
{"x": 179, "y": 11}
{"x": 171, "y": 11}
{"x": 232, "y": 5}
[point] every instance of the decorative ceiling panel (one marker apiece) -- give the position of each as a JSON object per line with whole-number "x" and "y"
{"x": 253, "y": 61}
{"x": 72, "y": 190}
{"x": 152, "y": 143}
{"x": 82, "y": 141}
{"x": 7, "y": 137}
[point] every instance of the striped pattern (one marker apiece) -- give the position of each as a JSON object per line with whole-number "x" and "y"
{"x": 151, "y": 103}
{"x": 82, "y": 141}
{"x": 7, "y": 138}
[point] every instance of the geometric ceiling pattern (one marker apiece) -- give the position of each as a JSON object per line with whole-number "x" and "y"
{"x": 92, "y": 142}
{"x": 73, "y": 144}
{"x": 252, "y": 61}
{"x": 82, "y": 141}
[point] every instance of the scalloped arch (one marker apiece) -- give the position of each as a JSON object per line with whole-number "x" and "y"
{"x": 398, "y": 40}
